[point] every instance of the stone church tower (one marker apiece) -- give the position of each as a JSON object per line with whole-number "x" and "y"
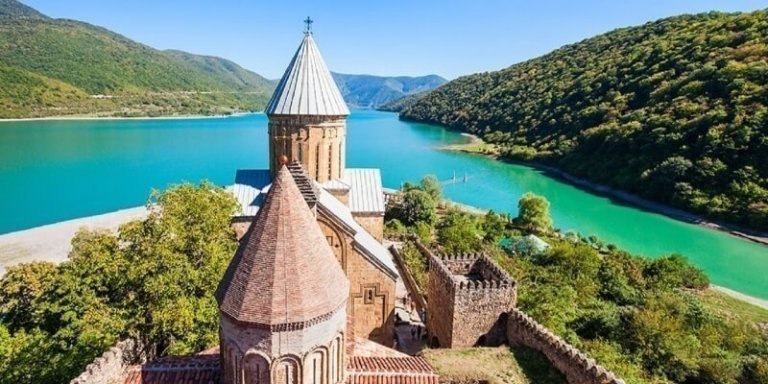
{"x": 308, "y": 116}
{"x": 283, "y": 299}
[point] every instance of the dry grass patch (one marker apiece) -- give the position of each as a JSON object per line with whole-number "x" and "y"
{"x": 495, "y": 365}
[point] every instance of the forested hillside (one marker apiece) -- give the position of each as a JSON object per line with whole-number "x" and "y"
{"x": 674, "y": 110}
{"x": 95, "y": 61}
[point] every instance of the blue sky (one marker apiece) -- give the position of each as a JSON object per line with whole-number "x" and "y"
{"x": 393, "y": 37}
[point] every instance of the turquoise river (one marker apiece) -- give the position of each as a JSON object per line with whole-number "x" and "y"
{"x": 57, "y": 170}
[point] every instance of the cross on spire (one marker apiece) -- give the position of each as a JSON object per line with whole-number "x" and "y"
{"x": 308, "y": 26}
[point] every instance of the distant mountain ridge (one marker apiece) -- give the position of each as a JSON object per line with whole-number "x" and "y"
{"x": 369, "y": 91}
{"x": 91, "y": 60}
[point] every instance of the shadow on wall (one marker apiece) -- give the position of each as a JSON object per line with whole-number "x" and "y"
{"x": 497, "y": 335}
{"x": 536, "y": 367}
{"x": 385, "y": 334}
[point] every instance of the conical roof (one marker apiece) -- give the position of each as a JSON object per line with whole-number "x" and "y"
{"x": 284, "y": 271}
{"x": 307, "y": 87}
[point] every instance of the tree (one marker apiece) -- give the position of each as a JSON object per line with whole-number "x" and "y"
{"x": 413, "y": 206}
{"x": 493, "y": 226}
{"x": 533, "y": 213}
{"x": 674, "y": 271}
{"x": 152, "y": 281}
{"x": 21, "y": 290}
{"x": 431, "y": 185}
{"x": 458, "y": 232}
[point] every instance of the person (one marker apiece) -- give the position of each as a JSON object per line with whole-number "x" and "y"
{"x": 413, "y": 332}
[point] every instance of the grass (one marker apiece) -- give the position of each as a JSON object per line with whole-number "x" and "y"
{"x": 500, "y": 365}
{"x": 476, "y": 147}
{"x": 732, "y": 307}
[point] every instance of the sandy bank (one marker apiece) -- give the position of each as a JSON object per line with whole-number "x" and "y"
{"x": 738, "y": 295}
{"x": 52, "y": 242}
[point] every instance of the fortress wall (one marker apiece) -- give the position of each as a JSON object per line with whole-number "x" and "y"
{"x": 573, "y": 363}
{"x": 440, "y": 294}
{"x": 479, "y": 313}
{"x": 110, "y": 366}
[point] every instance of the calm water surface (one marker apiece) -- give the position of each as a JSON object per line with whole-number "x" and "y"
{"x": 57, "y": 170}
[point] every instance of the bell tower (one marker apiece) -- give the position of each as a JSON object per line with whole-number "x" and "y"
{"x": 308, "y": 116}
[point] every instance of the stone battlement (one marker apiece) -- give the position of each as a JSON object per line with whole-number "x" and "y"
{"x": 573, "y": 363}
{"x": 110, "y": 366}
{"x": 471, "y": 294}
{"x": 467, "y": 270}
{"x": 473, "y": 271}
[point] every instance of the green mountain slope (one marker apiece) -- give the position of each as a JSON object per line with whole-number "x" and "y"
{"x": 98, "y": 61}
{"x": 26, "y": 91}
{"x": 674, "y": 110}
{"x": 11, "y": 9}
{"x": 226, "y": 72}
{"x": 367, "y": 91}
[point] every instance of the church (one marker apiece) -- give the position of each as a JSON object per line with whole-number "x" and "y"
{"x": 308, "y": 297}
{"x": 307, "y": 131}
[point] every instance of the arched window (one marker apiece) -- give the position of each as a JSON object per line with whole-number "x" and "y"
{"x": 287, "y": 371}
{"x": 256, "y": 369}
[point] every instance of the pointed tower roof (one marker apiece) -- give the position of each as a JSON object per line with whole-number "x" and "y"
{"x": 284, "y": 271}
{"x": 307, "y": 87}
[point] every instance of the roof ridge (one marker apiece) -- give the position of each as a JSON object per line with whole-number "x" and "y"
{"x": 307, "y": 86}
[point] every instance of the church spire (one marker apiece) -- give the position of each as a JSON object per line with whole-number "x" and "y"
{"x": 307, "y": 115}
{"x": 307, "y": 86}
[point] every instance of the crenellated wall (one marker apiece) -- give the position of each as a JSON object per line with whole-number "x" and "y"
{"x": 471, "y": 294}
{"x": 573, "y": 363}
{"x": 109, "y": 367}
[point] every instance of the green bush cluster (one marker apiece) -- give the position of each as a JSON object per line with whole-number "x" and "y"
{"x": 152, "y": 281}
{"x": 674, "y": 110}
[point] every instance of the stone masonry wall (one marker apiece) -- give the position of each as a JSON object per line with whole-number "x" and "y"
{"x": 317, "y": 142}
{"x": 468, "y": 297}
{"x": 110, "y": 366}
{"x": 440, "y": 293}
{"x": 372, "y": 223}
{"x": 574, "y": 364}
{"x": 480, "y": 306}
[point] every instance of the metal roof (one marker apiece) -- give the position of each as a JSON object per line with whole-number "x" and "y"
{"x": 249, "y": 189}
{"x": 307, "y": 87}
{"x": 366, "y": 194}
